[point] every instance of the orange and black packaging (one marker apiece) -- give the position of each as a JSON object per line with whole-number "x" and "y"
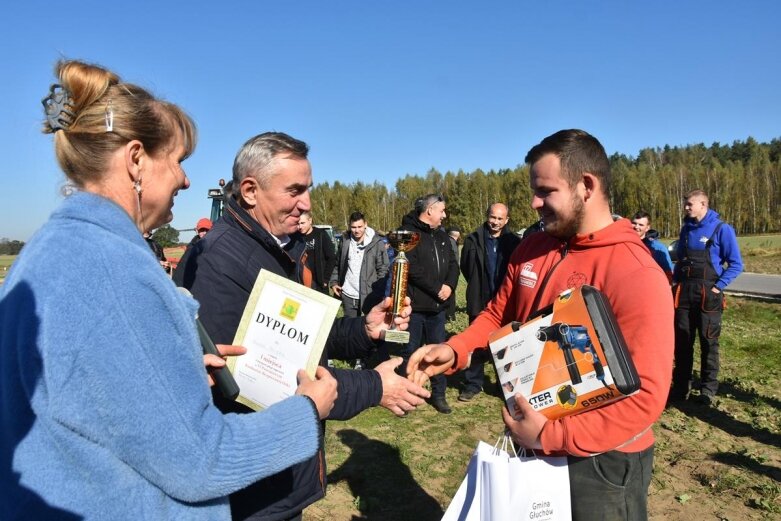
{"x": 568, "y": 358}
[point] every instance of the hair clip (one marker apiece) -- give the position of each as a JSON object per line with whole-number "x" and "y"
{"x": 109, "y": 117}
{"x": 57, "y": 106}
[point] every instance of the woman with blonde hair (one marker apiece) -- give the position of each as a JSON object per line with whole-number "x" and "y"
{"x": 105, "y": 404}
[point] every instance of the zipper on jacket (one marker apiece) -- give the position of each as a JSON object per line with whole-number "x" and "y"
{"x": 436, "y": 253}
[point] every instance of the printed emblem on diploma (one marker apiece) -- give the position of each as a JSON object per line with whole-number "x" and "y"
{"x": 284, "y": 328}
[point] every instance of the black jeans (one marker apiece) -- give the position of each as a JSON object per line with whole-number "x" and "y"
{"x": 613, "y": 485}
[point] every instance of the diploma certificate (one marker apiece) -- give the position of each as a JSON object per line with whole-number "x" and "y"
{"x": 284, "y": 328}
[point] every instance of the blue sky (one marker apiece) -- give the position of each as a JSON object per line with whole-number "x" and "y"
{"x": 384, "y": 89}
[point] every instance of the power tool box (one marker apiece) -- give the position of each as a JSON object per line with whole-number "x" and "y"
{"x": 567, "y": 358}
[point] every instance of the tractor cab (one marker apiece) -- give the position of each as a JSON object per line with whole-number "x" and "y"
{"x": 218, "y": 196}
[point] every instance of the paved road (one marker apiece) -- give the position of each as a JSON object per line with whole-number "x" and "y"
{"x": 757, "y": 285}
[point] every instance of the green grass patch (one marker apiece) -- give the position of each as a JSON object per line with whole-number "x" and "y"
{"x": 760, "y": 253}
{"x": 174, "y": 252}
{"x": 5, "y": 264}
{"x": 770, "y": 242}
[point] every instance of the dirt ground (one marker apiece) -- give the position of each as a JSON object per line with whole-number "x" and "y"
{"x": 716, "y": 463}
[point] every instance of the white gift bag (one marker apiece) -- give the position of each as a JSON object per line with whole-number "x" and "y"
{"x": 496, "y": 483}
{"x": 500, "y": 486}
{"x": 465, "y": 505}
{"x": 540, "y": 488}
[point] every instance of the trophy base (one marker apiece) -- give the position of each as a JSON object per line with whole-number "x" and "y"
{"x": 397, "y": 337}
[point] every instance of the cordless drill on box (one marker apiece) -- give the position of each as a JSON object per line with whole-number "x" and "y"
{"x": 569, "y": 338}
{"x": 528, "y": 356}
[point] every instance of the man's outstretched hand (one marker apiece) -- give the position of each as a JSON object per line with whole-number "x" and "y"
{"x": 399, "y": 395}
{"x": 430, "y": 360}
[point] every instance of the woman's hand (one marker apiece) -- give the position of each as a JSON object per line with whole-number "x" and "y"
{"x": 212, "y": 362}
{"x": 321, "y": 390}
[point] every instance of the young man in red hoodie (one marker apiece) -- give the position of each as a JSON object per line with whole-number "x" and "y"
{"x": 610, "y": 449}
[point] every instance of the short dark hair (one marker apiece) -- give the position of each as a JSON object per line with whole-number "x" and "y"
{"x": 642, "y": 214}
{"x": 423, "y": 203}
{"x": 579, "y": 152}
{"x": 356, "y": 216}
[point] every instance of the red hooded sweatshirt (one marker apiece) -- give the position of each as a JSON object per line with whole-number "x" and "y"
{"x": 616, "y": 262}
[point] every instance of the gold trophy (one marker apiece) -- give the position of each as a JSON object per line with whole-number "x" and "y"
{"x": 403, "y": 241}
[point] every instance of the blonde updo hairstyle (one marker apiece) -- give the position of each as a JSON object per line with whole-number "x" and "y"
{"x": 95, "y": 94}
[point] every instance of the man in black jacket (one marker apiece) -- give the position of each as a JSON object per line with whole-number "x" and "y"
{"x": 258, "y": 230}
{"x": 484, "y": 264}
{"x": 320, "y": 256}
{"x": 433, "y": 276}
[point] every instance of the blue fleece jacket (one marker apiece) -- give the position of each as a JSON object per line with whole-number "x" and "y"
{"x": 659, "y": 253}
{"x": 725, "y": 250}
{"x": 104, "y": 403}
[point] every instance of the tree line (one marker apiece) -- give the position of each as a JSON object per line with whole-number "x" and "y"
{"x": 9, "y": 247}
{"x": 743, "y": 181}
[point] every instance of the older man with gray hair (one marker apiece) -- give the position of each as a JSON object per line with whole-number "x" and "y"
{"x": 271, "y": 180}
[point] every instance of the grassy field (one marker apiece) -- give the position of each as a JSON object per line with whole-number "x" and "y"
{"x": 761, "y": 253}
{"x": 174, "y": 253}
{"x": 6, "y": 261}
{"x": 770, "y": 242}
{"x": 5, "y": 265}
{"x": 721, "y": 463}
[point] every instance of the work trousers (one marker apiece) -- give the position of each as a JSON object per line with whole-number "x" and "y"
{"x": 698, "y": 313}
{"x": 611, "y": 486}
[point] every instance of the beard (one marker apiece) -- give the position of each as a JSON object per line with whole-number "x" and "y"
{"x": 565, "y": 227}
